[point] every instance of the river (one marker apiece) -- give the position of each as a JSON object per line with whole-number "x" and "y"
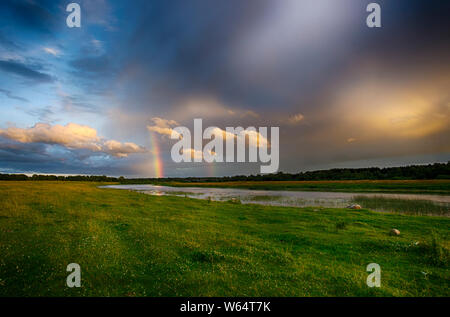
{"x": 272, "y": 197}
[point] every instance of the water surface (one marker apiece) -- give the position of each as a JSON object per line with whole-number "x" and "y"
{"x": 271, "y": 197}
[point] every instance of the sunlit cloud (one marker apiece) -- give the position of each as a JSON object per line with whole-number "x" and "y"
{"x": 255, "y": 138}
{"x": 119, "y": 149}
{"x": 205, "y": 107}
{"x": 209, "y": 107}
{"x": 407, "y": 110}
{"x": 296, "y": 118}
{"x": 52, "y": 51}
{"x": 192, "y": 154}
{"x": 163, "y": 126}
{"x": 71, "y": 136}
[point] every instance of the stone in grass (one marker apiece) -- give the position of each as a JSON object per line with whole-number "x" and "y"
{"x": 394, "y": 232}
{"x": 354, "y": 206}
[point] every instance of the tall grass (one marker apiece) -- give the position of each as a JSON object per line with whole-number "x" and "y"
{"x": 400, "y": 205}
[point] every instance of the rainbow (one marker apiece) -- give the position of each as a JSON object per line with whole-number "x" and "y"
{"x": 157, "y": 162}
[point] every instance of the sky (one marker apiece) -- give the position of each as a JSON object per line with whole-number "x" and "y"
{"x": 103, "y": 99}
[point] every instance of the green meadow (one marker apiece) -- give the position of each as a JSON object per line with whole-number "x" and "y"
{"x": 133, "y": 244}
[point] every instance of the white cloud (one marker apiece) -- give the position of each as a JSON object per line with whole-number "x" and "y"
{"x": 165, "y": 127}
{"x": 162, "y": 126}
{"x": 119, "y": 149}
{"x": 72, "y": 136}
{"x": 254, "y": 137}
{"x": 192, "y": 153}
{"x": 52, "y": 51}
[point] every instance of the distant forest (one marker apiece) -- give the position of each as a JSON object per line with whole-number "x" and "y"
{"x": 431, "y": 171}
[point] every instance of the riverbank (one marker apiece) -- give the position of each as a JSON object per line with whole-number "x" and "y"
{"x": 436, "y": 187}
{"x": 438, "y": 205}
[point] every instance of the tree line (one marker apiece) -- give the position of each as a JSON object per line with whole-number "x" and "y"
{"x": 35, "y": 177}
{"x": 431, "y": 171}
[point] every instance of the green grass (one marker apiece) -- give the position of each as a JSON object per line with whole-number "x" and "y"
{"x": 439, "y": 187}
{"x": 407, "y": 206}
{"x": 133, "y": 244}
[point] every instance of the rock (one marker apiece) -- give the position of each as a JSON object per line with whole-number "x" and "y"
{"x": 235, "y": 200}
{"x": 394, "y": 232}
{"x": 355, "y": 206}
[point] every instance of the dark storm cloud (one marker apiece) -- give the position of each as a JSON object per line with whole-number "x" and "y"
{"x": 243, "y": 55}
{"x": 187, "y": 48}
{"x": 184, "y": 47}
{"x": 25, "y": 71}
{"x": 29, "y": 15}
{"x": 18, "y": 157}
{"x": 17, "y": 152}
{"x": 338, "y": 90}
{"x": 414, "y": 34}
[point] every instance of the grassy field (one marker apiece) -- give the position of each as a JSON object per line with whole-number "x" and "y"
{"x": 407, "y": 206}
{"x": 381, "y": 186}
{"x": 132, "y": 244}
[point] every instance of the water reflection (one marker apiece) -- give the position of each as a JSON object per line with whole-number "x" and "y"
{"x": 273, "y": 197}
